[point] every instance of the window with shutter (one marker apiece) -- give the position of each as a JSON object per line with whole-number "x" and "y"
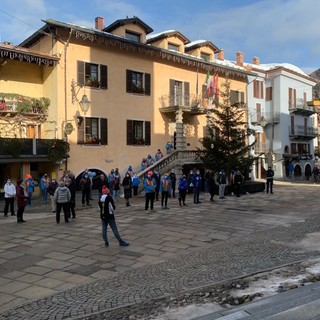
{"x": 92, "y": 131}
{"x": 138, "y": 132}
{"x": 138, "y": 82}
{"x": 92, "y": 75}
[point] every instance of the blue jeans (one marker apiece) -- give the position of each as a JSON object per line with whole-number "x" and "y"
{"x": 113, "y": 226}
{"x": 196, "y": 195}
{"x": 116, "y": 194}
{"x": 45, "y": 195}
{"x": 29, "y": 198}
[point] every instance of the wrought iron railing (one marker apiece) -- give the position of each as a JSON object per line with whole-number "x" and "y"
{"x": 189, "y": 101}
{"x": 303, "y": 131}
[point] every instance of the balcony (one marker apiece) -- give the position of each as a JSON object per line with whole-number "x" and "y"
{"x": 260, "y": 147}
{"x": 265, "y": 118}
{"x": 32, "y": 150}
{"x": 302, "y": 132}
{"x": 302, "y": 108}
{"x": 193, "y": 104}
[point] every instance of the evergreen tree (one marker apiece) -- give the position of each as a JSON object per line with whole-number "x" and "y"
{"x": 226, "y": 145}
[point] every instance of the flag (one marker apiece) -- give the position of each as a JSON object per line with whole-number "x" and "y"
{"x": 212, "y": 85}
{"x": 208, "y": 82}
{"x": 216, "y": 86}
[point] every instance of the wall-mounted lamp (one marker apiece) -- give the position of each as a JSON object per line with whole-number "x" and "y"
{"x": 84, "y": 103}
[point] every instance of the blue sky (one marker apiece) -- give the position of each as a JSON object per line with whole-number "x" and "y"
{"x": 285, "y": 31}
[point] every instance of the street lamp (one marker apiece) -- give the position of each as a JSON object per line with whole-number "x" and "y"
{"x": 85, "y": 104}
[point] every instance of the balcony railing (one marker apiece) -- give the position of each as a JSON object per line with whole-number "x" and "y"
{"x": 301, "y": 107}
{"x": 303, "y": 132}
{"x": 187, "y": 101}
{"x": 260, "y": 148}
{"x": 265, "y": 118}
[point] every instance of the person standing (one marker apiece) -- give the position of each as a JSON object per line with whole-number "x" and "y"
{"x": 53, "y": 185}
{"x": 156, "y": 176}
{"x": 22, "y": 201}
{"x": 71, "y": 185}
{"x": 9, "y": 195}
{"x": 169, "y": 147}
{"x": 44, "y": 184}
{"x": 197, "y": 184}
{"x": 30, "y": 187}
{"x": 190, "y": 181}
{"x": 107, "y": 207}
{"x": 183, "y": 189}
{"x": 85, "y": 184}
{"x": 270, "y": 174}
{"x": 291, "y": 169}
{"x": 158, "y": 155}
{"x": 149, "y": 190}
{"x": 222, "y": 181}
{"x": 173, "y": 179}
{"x": 135, "y": 185}
{"x": 62, "y": 196}
{"x": 127, "y": 188}
{"x": 211, "y": 185}
{"x": 102, "y": 181}
{"x": 116, "y": 185}
{"x": 238, "y": 179}
{"x": 165, "y": 189}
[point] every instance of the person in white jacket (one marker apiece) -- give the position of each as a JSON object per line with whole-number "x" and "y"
{"x": 9, "y": 195}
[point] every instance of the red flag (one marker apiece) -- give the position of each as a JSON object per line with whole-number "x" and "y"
{"x": 216, "y": 86}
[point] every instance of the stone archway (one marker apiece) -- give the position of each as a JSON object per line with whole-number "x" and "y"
{"x": 297, "y": 171}
{"x": 307, "y": 171}
{"x": 96, "y": 172}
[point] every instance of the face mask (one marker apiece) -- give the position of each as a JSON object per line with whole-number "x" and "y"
{"x": 9, "y": 181}
{"x": 127, "y": 175}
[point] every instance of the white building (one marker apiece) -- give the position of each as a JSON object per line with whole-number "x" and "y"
{"x": 281, "y": 112}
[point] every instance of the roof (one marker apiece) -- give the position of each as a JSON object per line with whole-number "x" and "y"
{"x": 201, "y": 43}
{"x": 10, "y": 51}
{"x": 166, "y": 34}
{"x": 122, "y": 22}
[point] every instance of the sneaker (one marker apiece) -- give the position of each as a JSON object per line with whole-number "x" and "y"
{"x": 123, "y": 243}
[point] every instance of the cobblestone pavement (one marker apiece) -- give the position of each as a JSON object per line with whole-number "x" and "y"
{"x": 50, "y": 271}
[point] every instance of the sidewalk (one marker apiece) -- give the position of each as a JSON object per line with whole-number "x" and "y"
{"x": 50, "y": 271}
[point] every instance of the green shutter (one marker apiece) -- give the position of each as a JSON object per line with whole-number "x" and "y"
{"x": 129, "y": 132}
{"x": 80, "y": 121}
{"x": 147, "y": 129}
{"x": 81, "y": 79}
{"x": 103, "y": 77}
{"x": 104, "y": 131}
{"x": 147, "y": 84}
{"x": 129, "y": 81}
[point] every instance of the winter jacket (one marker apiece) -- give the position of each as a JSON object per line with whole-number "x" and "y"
{"x": 21, "y": 199}
{"x": 9, "y": 190}
{"x": 62, "y": 195}
{"x": 183, "y": 184}
{"x": 104, "y": 202}
{"x": 165, "y": 184}
{"x": 197, "y": 181}
{"x": 150, "y": 185}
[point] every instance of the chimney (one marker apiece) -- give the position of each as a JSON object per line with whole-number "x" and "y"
{"x": 239, "y": 59}
{"x": 99, "y": 23}
{"x": 221, "y": 55}
{"x": 256, "y": 61}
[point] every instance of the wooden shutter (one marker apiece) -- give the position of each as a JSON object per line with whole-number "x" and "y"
{"x": 269, "y": 94}
{"x": 147, "y": 129}
{"x": 129, "y": 132}
{"x": 147, "y": 84}
{"x": 233, "y": 97}
{"x": 81, "y": 78}
{"x": 171, "y": 92}
{"x": 261, "y": 89}
{"x": 186, "y": 93}
{"x": 104, "y": 131}
{"x": 103, "y": 77}
{"x": 294, "y": 98}
{"x": 258, "y": 110}
{"x": 80, "y": 130}
{"x": 129, "y": 81}
{"x": 242, "y": 97}
{"x": 255, "y": 93}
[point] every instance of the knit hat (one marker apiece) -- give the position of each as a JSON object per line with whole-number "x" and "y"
{"x": 150, "y": 173}
{"x": 105, "y": 190}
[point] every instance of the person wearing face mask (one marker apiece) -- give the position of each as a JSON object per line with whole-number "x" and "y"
{"x": 44, "y": 184}
{"x": 127, "y": 188}
{"x": 9, "y": 195}
{"x": 197, "y": 183}
{"x": 150, "y": 185}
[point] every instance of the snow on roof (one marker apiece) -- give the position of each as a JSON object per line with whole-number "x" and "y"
{"x": 155, "y": 35}
{"x": 271, "y": 66}
{"x": 192, "y": 43}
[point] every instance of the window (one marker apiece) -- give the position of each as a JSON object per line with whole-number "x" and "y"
{"x": 237, "y": 98}
{"x": 132, "y": 36}
{"x": 258, "y": 89}
{"x": 172, "y": 46}
{"x": 269, "y": 94}
{"x": 138, "y": 132}
{"x": 92, "y": 75}
{"x": 179, "y": 93}
{"x": 205, "y": 56}
{"x": 292, "y": 101}
{"x": 138, "y": 82}
{"x": 92, "y": 131}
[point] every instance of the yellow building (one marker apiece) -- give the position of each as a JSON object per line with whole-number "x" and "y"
{"x": 119, "y": 93}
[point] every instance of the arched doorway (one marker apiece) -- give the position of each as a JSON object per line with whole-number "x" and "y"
{"x": 96, "y": 174}
{"x": 307, "y": 171}
{"x": 297, "y": 171}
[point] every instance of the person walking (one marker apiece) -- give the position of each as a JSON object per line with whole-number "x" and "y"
{"x": 127, "y": 188}
{"x": 44, "y": 184}
{"x": 270, "y": 174}
{"x": 9, "y": 195}
{"x": 149, "y": 190}
{"x": 107, "y": 207}
{"x": 183, "y": 189}
{"x": 173, "y": 179}
{"x": 22, "y": 201}
{"x": 197, "y": 184}
{"x": 62, "y": 196}
{"x": 53, "y": 185}
{"x": 165, "y": 189}
{"x": 238, "y": 180}
{"x": 222, "y": 181}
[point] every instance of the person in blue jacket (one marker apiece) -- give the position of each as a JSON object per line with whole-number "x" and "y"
{"x": 183, "y": 189}
{"x": 150, "y": 185}
{"x": 197, "y": 183}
